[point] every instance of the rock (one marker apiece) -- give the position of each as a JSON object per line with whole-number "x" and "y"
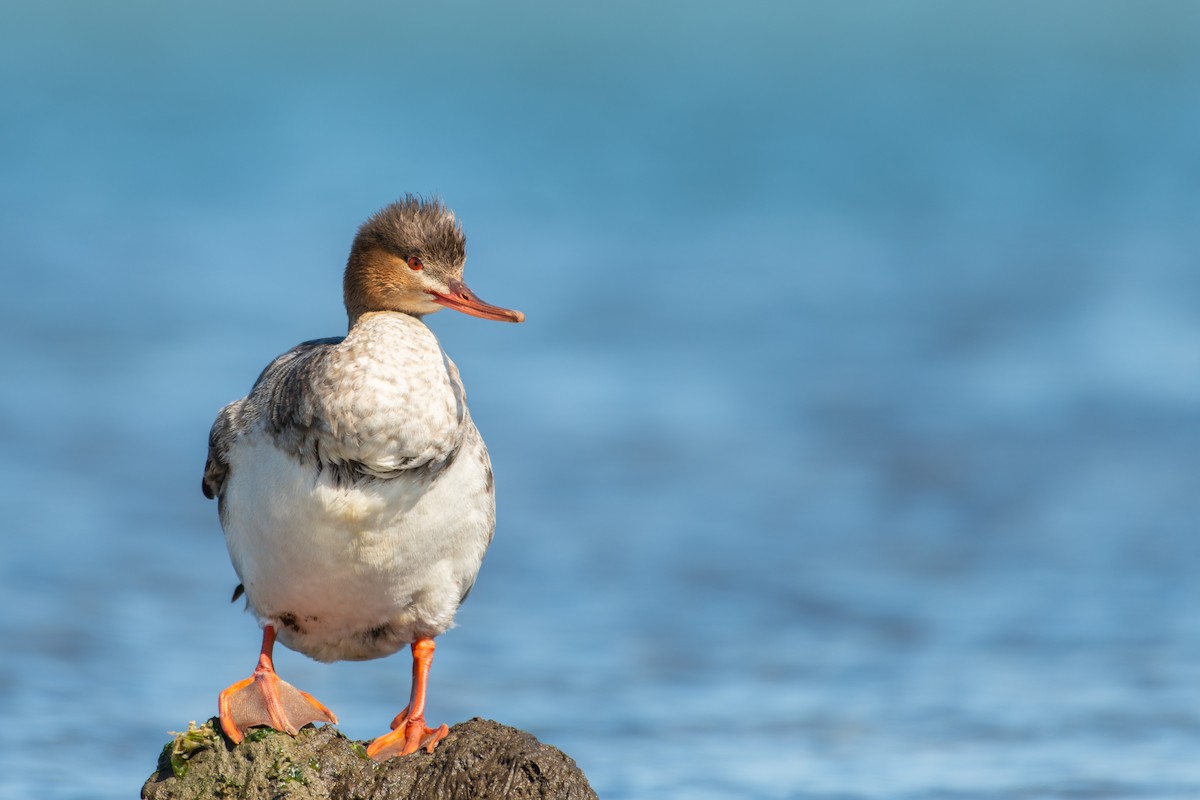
{"x": 479, "y": 758}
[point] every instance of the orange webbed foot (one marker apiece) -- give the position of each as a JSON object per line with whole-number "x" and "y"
{"x": 409, "y": 733}
{"x": 265, "y": 699}
{"x": 407, "y": 738}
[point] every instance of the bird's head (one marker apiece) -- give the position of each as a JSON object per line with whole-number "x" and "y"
{"x": 409, "y": 257}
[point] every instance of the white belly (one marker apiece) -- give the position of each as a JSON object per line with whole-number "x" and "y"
{"x": 355, "y": 571}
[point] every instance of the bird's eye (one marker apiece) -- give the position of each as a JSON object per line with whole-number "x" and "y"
{"x": 415, "y": 263}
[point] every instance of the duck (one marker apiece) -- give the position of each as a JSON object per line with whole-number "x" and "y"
{"x": 354, "y": 490}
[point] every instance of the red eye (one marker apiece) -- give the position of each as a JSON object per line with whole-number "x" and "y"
{"x": 415, "y": 263}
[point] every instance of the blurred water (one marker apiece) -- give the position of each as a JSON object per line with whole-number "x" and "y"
{"x": 850, "y": 448}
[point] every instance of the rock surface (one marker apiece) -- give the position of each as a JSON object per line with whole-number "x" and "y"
{"x": 479, "y": 758}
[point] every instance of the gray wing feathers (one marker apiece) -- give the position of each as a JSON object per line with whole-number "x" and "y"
{"x": 279, "y": 394}
{"x": 283, "y": 395}
{"x": 216, "y": 467}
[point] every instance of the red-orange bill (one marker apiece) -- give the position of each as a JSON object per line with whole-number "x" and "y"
{"x": 460, "y": 298}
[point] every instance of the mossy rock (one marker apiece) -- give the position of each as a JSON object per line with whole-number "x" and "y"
{"x": 478, "y": 759}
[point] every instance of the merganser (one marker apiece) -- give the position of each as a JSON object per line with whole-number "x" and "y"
{"x": 353, "y": 488}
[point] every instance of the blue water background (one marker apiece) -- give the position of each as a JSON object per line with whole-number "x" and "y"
{"x": 851, "y": 447}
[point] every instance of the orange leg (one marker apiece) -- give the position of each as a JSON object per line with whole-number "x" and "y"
{"x": 409, "y": 733}
{"x": 264, "y": 699}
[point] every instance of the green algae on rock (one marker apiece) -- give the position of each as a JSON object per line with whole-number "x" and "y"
{"x": 479, "y": 758}
{"x": 180, "y": 750}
